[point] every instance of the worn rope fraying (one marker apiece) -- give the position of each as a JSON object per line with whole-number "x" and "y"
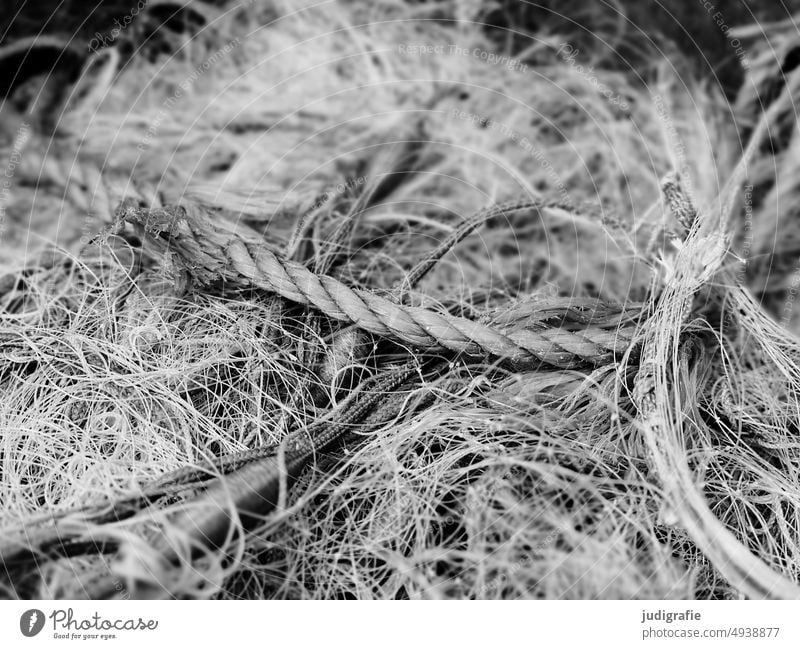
{"x": 558, "y": 332}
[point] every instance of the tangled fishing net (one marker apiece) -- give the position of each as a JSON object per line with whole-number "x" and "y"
{"x": 293, "y": 307}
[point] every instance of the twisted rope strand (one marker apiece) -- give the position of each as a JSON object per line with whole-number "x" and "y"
{"x": 462, "y": 232}
{"x": 212, "y": 254}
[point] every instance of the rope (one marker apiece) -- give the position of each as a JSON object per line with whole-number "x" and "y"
{"x": 212, "y": 254}
{"x": 462, "y": 232}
